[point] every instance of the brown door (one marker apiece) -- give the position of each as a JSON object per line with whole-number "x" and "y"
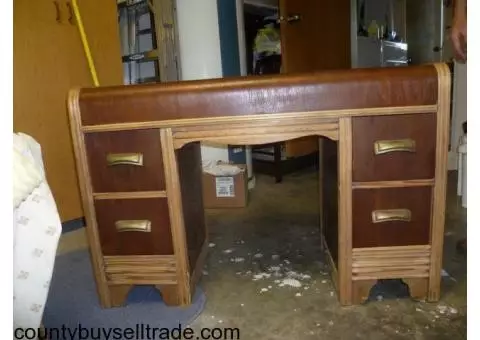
{"x": 315, "y": 34}
{"x": 101, "y": 28}
{"x": 40, "y": 86}
{"x": 100, "y": 20}
{"x": 49, "y": 60}
{"x": 424, "y": 28}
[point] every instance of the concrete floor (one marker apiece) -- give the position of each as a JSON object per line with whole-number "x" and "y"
{"x": 252, "y": 250}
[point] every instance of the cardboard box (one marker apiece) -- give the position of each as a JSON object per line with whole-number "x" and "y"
{"x": 225, "y": 191}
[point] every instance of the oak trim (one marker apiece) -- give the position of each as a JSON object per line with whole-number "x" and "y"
{"x": 177, "y": 224}
{"x": 141, "y": 269}
{"x": 345, "y": 211}
{"x": 87, "y": 199}
{"x": 119, "y": 294}
{"x": 418, "y": 288}
{"x": 261, "y": 126}
{"x": 252, "y": 134}
{"x": 391, "y": 262}
{"x": 268, "y": 118}
{"x": 129, "y": 195}
{"x": 254, "y": 139}
{"x": 167, "y": 260}
{"x": 361, "y": 290}
{"x": 440, "y": 187}
{"x": 389, "y": 250}
{"x": 143, "y": 279}
{"x": 393, "y": 184}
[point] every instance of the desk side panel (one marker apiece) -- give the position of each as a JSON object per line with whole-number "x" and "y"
{"x": 190, "y": 172}
{"x": 329, "y": 162}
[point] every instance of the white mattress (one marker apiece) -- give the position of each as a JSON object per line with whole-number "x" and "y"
{"x": 36, "y": 232}
{"x": 28, "y": 171}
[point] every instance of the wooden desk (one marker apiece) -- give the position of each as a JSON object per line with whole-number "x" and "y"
{"x": 383, "y": 147}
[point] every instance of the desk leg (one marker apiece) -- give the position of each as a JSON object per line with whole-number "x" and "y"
{"x": 345, "y": 211}
{"x": 440, "y": 187}
{"x": 278, "y": 166}
{"x": 119, "y": 294}
{"x": 182, "y": 296}
{"x": 169, "y": 294}
{"x": 418, "y": 288}
{"x": 320, "y": 193}
{"x": 361, "y": 291}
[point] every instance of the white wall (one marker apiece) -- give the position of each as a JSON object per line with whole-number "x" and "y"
{"x": 200, "y": 57}
{"x": 459, "y": 95}
{"x": 242, "y": 50}
{"x": 241, "y": 36}
{"x": 459, "y": 110}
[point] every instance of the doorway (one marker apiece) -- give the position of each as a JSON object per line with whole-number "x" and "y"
{"x": 263, "y": 41}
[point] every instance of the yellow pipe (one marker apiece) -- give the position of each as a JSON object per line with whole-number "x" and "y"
{"x": 86, "y": 47}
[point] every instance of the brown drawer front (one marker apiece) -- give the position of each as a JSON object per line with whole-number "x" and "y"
{"x": 391, "y": 217}
{"x": 125, "y": 161}
{"x": 391, "y": 148}
{"x": 134, "y": 226}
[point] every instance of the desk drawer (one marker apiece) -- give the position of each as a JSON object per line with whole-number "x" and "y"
{"x": 399, "y": 147}
{"x": 134, "y": 226}
{"x": 125, "y": 161}
{"x": 391, "y": 216}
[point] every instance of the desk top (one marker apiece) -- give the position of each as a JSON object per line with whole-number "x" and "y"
{"x": 256, "y": 95}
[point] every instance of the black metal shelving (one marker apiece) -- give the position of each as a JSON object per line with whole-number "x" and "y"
{"x": 130, "y": 13}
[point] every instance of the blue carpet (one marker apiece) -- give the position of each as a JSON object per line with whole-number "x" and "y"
{"x": 73, "y": 301}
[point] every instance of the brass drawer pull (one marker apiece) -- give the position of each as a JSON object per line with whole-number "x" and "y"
{"x": 133, "y": 225}
{"x": 389, "y": 215}
{"x": 394, "y": 145}
{"x": 125, "y": 159}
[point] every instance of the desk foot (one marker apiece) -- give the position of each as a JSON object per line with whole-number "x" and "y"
{"x": 418, "y": 288}
{"x": 169, "y": 294}
{"x": 118, "y": 295}
{"x": 361, "y": 291}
